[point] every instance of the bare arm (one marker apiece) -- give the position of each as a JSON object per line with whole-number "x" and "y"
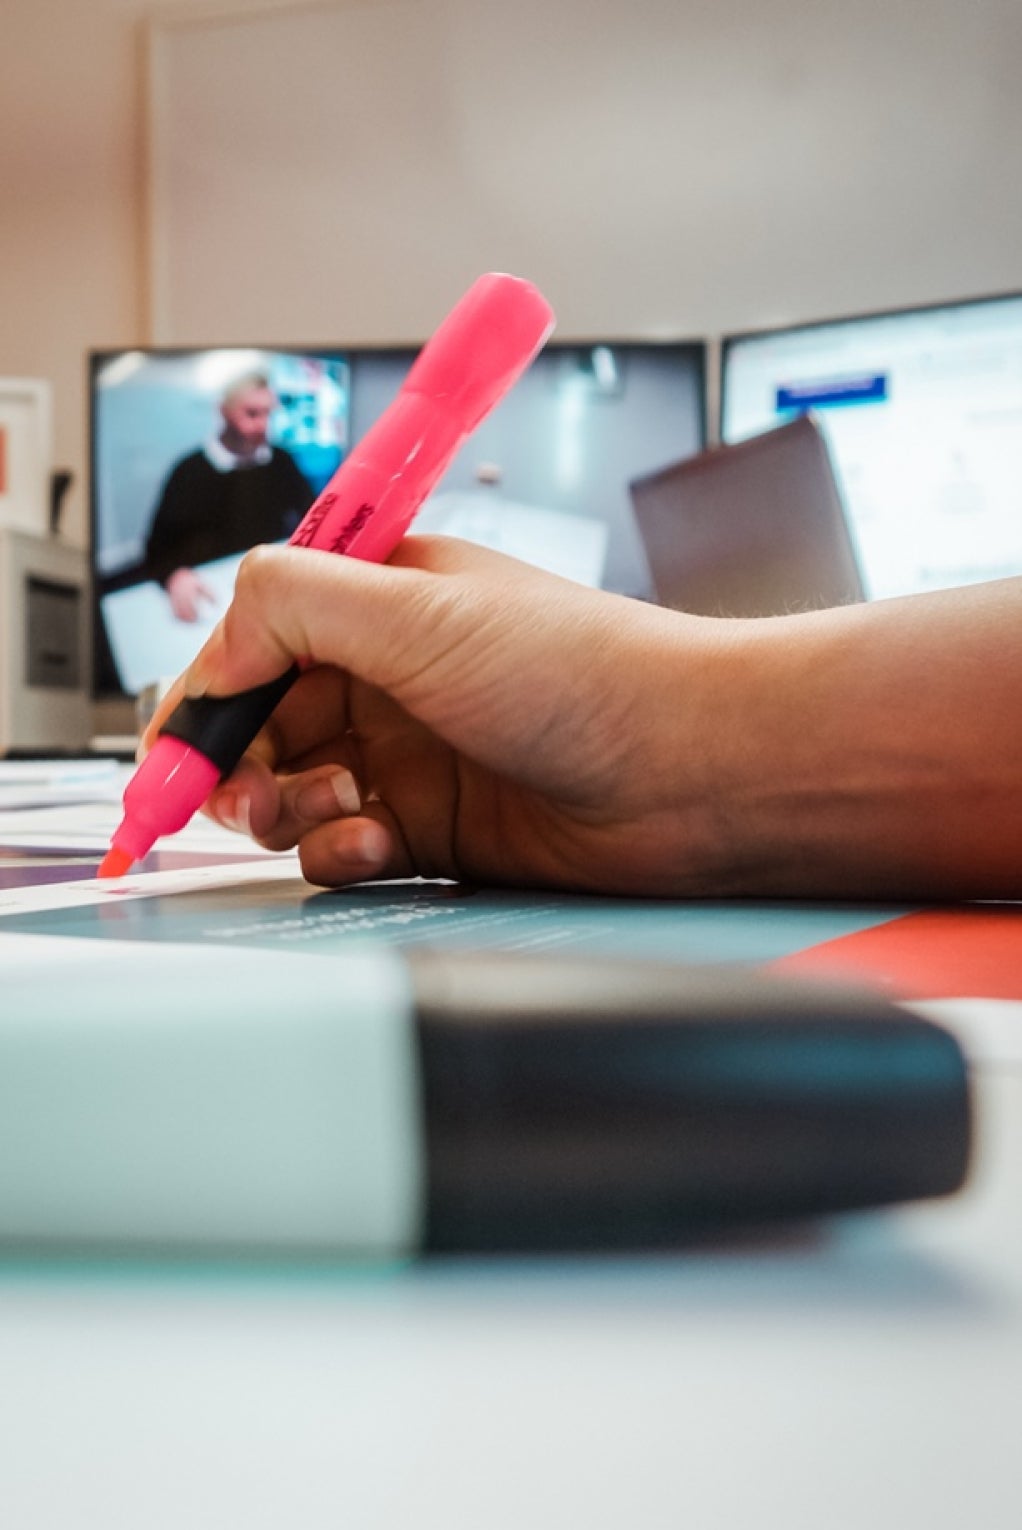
{"x": 889, "y": 749}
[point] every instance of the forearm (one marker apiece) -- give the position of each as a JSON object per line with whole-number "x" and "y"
{"x": 876, "y": 750}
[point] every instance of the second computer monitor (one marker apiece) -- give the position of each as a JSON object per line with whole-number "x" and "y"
{"x": 922, "y": 412}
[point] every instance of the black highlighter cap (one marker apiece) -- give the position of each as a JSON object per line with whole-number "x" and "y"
{"x": 222, "y": 727}
{"x": 597, "y": 1105}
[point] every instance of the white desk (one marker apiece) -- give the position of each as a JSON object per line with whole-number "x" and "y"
{"x": 868, "y": 1377}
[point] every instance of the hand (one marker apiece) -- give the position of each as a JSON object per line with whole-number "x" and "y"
{"x": 467, "y": 716}
{"x": 186, "y": 590}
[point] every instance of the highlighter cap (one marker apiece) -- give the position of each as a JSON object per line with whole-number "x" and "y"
{"x": 584, "y": 1103}
{"x": 483, "y": 346}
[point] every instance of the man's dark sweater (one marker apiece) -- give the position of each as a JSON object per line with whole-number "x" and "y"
{"x": 205, "y": 513}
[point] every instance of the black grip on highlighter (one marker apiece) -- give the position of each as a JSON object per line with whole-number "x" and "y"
{"x": 222, "y": 727}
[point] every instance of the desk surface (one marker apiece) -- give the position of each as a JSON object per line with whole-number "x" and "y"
{"x": 862, "y": 1372}
{"x": 865, "y": 1374}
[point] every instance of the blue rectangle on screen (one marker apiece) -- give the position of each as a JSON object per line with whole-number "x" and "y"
{"x": 832, "y": 391}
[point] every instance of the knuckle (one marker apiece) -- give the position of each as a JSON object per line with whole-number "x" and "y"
{"x": 256, "y": 572}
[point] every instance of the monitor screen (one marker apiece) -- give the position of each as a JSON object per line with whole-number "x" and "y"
{"x": 199, "y": 454}
{"x": 922, "y": 412}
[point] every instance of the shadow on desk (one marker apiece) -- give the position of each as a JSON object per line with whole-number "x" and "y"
{"x": 861, "y": 1263}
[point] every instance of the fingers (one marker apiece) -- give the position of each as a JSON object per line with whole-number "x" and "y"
{"x": 248, "y": 801}
{"x": 319, "y": 811}
{"x": 428, "y": 673}
{"x": 278, "y": 811}
{"x": 358, "y": 849}
{"x": 296, "y": 603}
{"x": 387, "y": 624}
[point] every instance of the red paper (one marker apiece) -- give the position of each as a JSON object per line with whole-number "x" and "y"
{"x": 932, "y": 954}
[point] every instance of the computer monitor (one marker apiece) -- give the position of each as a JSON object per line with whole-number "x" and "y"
{"x": 544, "y": 478}
{"x": 922, "y": 412}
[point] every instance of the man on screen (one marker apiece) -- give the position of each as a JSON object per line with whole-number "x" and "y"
{"x": 235, "y": 491}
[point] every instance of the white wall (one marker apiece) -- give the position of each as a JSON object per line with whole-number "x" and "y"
{"x": 70, "y": 177}
{"x": 657, "y": 166}
{"x": 73, "y": 259}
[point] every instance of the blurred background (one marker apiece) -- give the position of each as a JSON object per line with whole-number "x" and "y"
{"x": 272, "y": 171}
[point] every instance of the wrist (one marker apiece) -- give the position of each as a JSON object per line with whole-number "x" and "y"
{"x": 759, "y": 781}
{"x": 725, "y": 755}
{"x": 695, "y": 801}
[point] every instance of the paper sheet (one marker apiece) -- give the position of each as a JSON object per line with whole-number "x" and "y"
{"x": 208, "y": 887}
{"x": 32, "y": 784}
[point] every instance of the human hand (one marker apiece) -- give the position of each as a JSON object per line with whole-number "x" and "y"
{"x": 467, "y": 716}
{"x": 185, "y": 590}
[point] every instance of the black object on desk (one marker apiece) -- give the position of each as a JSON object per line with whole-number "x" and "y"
{"x": 417, "y": 1100}
{"x": 580, "y": 1104}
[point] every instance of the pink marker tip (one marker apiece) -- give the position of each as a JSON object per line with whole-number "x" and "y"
{"x": 172, "y": 783}
{"x": 115, "y": 863}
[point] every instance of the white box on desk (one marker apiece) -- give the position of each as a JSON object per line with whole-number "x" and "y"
{"x": 44, "y": 644}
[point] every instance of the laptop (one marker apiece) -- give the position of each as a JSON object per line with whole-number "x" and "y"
{"x": 754, "y": 529}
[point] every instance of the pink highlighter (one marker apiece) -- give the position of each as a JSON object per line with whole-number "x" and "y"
{"x": 478, "y": 353}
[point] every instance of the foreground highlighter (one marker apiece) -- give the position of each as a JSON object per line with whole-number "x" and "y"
{"x": 390, "y": 1103}
{"x": 478, "y": 353}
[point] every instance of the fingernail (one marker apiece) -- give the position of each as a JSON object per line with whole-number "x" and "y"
{"x": 235, "y": 813}
{"x": 321, "y": 798}
{"x": 346, "y": 791}
{"x": 198, "y": 676}
{"x": 365, "y": 843}
{"x": 196, "y": 683}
